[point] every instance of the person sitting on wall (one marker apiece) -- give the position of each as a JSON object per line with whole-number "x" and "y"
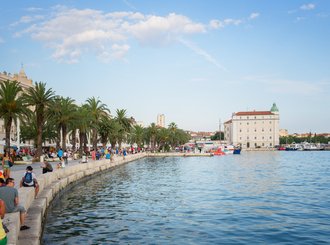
{"x": 3, "y": 235}
{"x": 29, "y": 179}
{"x": 46, "y": 167}
{"x": 9, "y": 195}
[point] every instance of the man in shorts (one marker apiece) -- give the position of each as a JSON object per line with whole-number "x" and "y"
{"x": 29, "y": 179}
{"x": 9, "y": 195}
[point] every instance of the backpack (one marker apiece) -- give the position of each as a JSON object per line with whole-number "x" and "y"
{"x": 28, "y": 178}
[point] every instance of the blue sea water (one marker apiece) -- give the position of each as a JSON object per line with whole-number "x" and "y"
{"x": 252, "y": 198}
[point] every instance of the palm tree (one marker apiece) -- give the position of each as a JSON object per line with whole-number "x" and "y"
{"x": 29, "y": 130}
{"x": 151, "y": 135}
{"x": 62, "y": 114}
{"x": 104, "y": 129}
{"x": 115, "y": 134}
{"x": 137, "y": 135}
{"x": 125, "y": 123}
{"x": 97, "y": 110}
{"x": 82, "y": 123}
{"x": 12, "y": 106}
{"x": 172, "y": 131}
{"x": 40, "y": 99}
{"x": 162, "y": 137}
{"x": 123, "y": 120}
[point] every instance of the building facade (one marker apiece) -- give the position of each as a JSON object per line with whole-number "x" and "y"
{"x": 253, "y": 129}
{"x": 161, "y": 120}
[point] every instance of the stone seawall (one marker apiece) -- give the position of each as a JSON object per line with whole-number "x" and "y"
{"x": 50, "y": 185}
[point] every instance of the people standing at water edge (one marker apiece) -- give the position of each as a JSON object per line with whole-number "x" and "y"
{"x": 60, "y": 154}
{"x": 29, "y": 179}
{"x": 7, "y": 163}
{"x": 9, "y": 195}
{"x": 65, "y": 156}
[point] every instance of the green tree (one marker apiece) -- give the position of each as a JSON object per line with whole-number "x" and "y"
{"x": 104, "y": 129}
{"x": 163, "y": 138}
{"x": 63, "y": 114}
{"x": 137, "y": 135}
{"x": 151, "y": 135}
{"x": 40, "y": 98}
{"x": 97, "y": 110}
{"x": 125, "y": 124}
{"x": 115, "y": 132}
{"x": 82, "y": 123}
{"x": 12, "y": 107}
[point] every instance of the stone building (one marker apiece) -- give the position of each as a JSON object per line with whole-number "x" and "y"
{"x": 253, "y": 129}
{"x": 161, "y": 120}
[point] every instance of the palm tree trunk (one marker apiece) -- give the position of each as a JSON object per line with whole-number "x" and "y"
{"x": 39, "y": 135}
{"x": 64, "y": 129}
{"x": 81, "y": 140}
{"x": 7, "y": 129}
{"x": 94, "y": 138}
{"x": 58, "y": 138}
{"x": 74, "y": 140}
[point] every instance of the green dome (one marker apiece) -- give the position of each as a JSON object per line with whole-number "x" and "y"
{"x": 274, "y": 108}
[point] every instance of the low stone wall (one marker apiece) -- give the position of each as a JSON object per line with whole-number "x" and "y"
{"x": 179, "y": 154}
{"x": 50, "y": 185}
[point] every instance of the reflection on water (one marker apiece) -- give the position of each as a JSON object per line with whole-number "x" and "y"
{"x": 267, "y": 197}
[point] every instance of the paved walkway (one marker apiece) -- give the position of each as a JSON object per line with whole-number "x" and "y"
{"x": 18, "y": 170}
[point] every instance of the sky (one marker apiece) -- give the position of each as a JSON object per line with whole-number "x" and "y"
{"x": 195, "y": 61}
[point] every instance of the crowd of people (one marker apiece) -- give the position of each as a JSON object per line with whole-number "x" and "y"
{"x": 9, "y": 199}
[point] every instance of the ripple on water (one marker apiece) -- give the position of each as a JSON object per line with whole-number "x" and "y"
{"x": 263, "y": 198}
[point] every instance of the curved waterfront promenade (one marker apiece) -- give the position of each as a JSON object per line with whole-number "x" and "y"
{"x": 50, "y": 185}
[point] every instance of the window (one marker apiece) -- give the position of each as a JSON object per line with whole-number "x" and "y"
{"x": 240, "y": 138}
{"x": 240, "y": 130}
{"x": 270, "y": 130}
{"x": 255, "y": 138}
{"x": 270, "y": 137}
{"x": 247, "y": 137}
{"x": 255, "y": 130}
{"x": 263, "y": 144}
{"x": 247, "y": 123}
{"x": 262, "y": 130}
{"x": 270, "y": 122}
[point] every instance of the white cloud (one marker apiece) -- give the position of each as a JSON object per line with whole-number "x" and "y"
{"x": 28, "y": 19}
{"x": 162, "y": 30}
{"x": 309, "y": 6}
{"x": 217, "y": 24}
{"x": 254, "y": 16}
{"x": 203, "y": 54}
{"x": 73, "y": 32}
{"x": 33, "y": 9}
